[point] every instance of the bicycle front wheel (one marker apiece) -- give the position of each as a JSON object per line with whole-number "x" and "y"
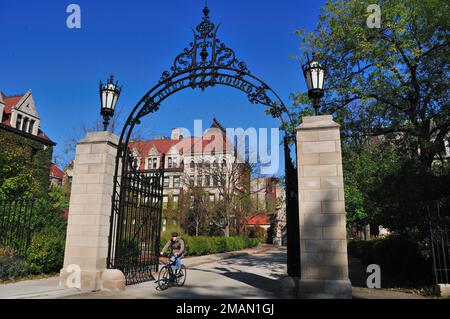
{"x": 164, "y": 278}
{"x": 181, "y": 276}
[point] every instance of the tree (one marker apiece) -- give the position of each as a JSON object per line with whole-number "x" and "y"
{"x": 389, "y": 85}
{"x": 116, "y": 124}
{"x": 197, "y": 211}
{"x": 395, "y": 78}
{"x": 230, "y": 181}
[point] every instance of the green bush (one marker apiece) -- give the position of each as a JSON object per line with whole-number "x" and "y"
{"x": 11, "y": 266}
{"x": 203, "y": 245}
{"x": 400, "y": 259}
{"x": 46, "y": 252}
{"x": 128, "y": 249}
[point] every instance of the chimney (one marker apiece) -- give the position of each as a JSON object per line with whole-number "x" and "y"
{"x": 177, "y": 133}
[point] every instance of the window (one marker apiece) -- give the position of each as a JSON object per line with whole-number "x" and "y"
{"x": 176, "y": 182}
{"x": 207, "y": 180}
{"x": 149, "y": 162}
{"x": 165, "y": 200}
{"x": 18, "y": 121}
{"x": 192, "y": 165}
{"x": 212, "y": 198}
{"x": 25, "y": 124}
{"x": 155, "y": 162}
{"x": 166, "y": 181}
{"x": 30, "y": 129}
{"x": 199, "y": 180}
{"x": 215, "y": 180}
{"x": 169, "y": 162}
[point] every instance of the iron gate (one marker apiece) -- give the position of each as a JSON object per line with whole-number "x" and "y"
{"x": 206, "y": 62}
{"x": 135, "y": 223}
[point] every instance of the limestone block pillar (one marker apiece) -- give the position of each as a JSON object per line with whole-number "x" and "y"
{"x": 323, "y": 244}
{"x": 89, "y": 212}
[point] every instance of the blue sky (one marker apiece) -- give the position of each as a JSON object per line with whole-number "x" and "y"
{"x": 136, "y": 41}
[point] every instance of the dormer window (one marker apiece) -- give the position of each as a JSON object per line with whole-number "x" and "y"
{"x": 153, "y": 162}
{"x": 31, "y": 127}
{"x": 25, "y": 124}
{"x": 19, "y": 122}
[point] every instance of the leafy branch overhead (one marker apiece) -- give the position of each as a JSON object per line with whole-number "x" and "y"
{"x": 396, "y": 77}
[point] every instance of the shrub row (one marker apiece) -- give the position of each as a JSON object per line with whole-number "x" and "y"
{"x": 204, "y": 245}
{"x": 44, "y": 255}
{"x": 400, "y": 259}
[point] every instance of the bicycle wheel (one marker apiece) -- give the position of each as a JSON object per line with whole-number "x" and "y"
{"x": 164, "y": 278}
{"x": 181, "y": 276}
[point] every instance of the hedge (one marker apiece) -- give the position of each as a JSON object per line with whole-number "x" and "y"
{"x": 11, "y": 266}
{"x": 46, "y": 252}
{"x": 204, "y": 245}
{"x": 399, "y": 257}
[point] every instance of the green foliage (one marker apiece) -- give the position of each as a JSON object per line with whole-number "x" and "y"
{"x": 46, "y": 252}
{"x": 392, "y": 80}
{"x": 128, "y": 249}
{"x": 257, "y": 232}
{"x": 12, "y": 268}
{"x": 399, "y": 257}
{"x": 204, "y": 245}
{"x": 364, "y": 170}
{"x": 24, "y": 165}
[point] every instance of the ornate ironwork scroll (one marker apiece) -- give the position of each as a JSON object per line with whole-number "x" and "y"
{"x": 206, "y": 62}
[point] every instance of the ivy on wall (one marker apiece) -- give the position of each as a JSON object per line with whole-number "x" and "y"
{"x": 24, "y": 164}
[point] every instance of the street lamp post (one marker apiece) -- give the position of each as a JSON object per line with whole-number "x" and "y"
{"x": 314, "y": 74}
{"x": 109, "y": 94}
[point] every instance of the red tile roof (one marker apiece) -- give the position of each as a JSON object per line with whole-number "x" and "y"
{"x": 43, "y": 136}
{"x": 56, "y": 172}
{"x": 183, "y": 145}
{"x": 258, "y": 220}
{"x": 11, "y": 101}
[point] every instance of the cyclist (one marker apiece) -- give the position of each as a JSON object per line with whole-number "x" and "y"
{"x": 176, "y": 244}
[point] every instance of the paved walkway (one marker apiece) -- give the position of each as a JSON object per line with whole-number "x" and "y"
{"x": 49, "y": 287}
{"x": 251, "y": 273}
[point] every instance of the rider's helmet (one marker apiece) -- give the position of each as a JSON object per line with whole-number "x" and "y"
{"x": 174, "y": 234}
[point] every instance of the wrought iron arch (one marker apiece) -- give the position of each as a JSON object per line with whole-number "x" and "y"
{"x": 206, "y": 62}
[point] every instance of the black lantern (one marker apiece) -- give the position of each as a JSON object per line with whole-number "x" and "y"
{"x": 109, "y": 94}
{"x": 314, "y": 74}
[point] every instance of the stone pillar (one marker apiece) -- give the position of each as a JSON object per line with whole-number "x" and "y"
{"x": 323, "y": 244}
{"x": 89, "y": 214}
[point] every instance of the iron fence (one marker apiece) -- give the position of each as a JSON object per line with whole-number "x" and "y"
{"x": 439, "y": 241}
{"x": 15, "y": 223}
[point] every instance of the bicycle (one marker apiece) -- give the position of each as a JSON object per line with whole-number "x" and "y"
{"x": 167, "y": 276}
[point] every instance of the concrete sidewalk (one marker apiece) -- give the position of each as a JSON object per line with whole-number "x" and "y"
{"x": 49, "y": 287}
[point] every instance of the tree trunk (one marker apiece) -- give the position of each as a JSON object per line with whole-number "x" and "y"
{"x": 226, "y": 231}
